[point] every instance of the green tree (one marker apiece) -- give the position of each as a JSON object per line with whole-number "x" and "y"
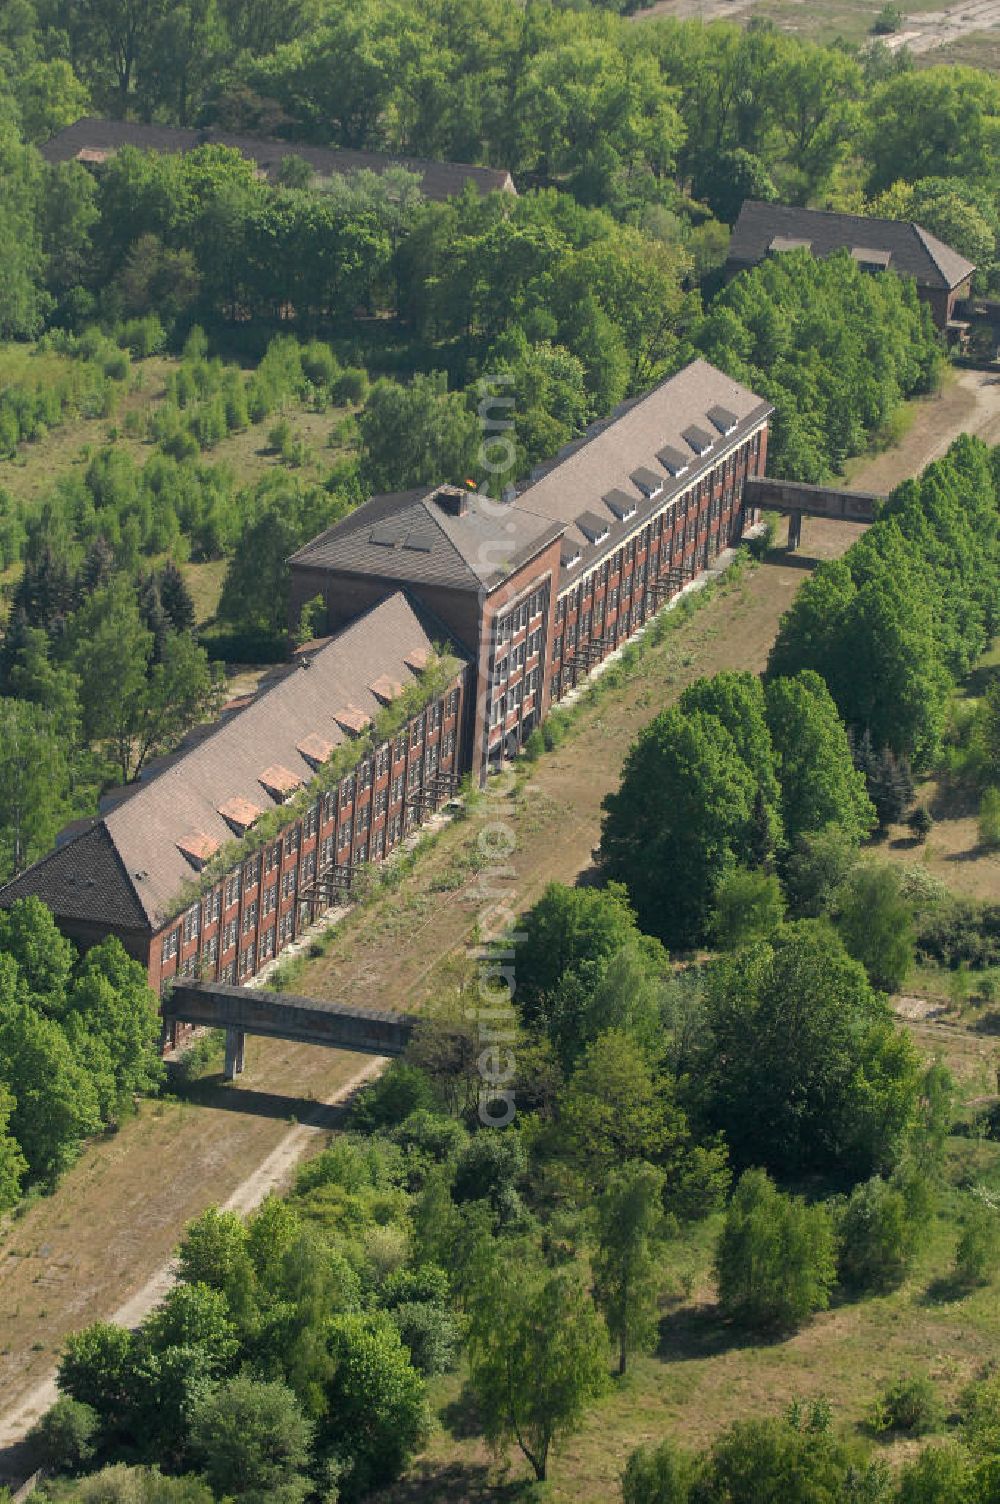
{"x": 414, "y": 435}
{"x": 55, "y": 1100}
{"x": 13, "y": 1165}
{"x": 253, "y": 1441}
{"x": 682, "y": 815}
{"x": 181, "y": 690}
{"x": 880, "y": 1231}
{"x": 615, "y": 1107}
{"x": 978, "y": 1245}
{"x": 804, "y": 1068}
{"x": 110, "y": 1001}
{"x": 63, "y": 1439}
{"x": 875, "y": 923}
{"x": 35, "y": 784}
{"x": 775, "y": 1260}
{"x": 537, "y": 1356}
{"x": 819, "y": 784}
{"x": 629, "y": 1216}
{"x": 748, "y": 906}
{"x": 377, "y": 1410}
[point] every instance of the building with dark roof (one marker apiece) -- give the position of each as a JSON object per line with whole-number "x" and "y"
{"x": 941, "y": 274}
{"x": 183, "y": 867}
{"x": 456, "y": 622}
{"x": 93, "y": 142}
{"x": 541, "y": 588}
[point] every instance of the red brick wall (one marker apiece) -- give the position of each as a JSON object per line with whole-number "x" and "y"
{"x": 349, "y": 823}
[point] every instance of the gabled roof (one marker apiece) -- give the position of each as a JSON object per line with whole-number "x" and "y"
{"x": 129, "y": 867}
{"x": 643, "y": 439}
{"x": 94, "y": 140}
{"x": 85, "y": 880}
{"x": 409, "y": 537}
{"x": 912, "y": 251}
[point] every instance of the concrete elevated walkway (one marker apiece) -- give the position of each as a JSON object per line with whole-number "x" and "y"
{"x": 279, "y": 1015}
{"x": 800, "y": 500}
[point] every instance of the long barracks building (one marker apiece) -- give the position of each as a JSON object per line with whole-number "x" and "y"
{"x": 455, "y": 623}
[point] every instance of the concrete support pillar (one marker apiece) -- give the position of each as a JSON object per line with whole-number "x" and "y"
{"x": 794, "y": 531}
{"x": 235, "y": 1049}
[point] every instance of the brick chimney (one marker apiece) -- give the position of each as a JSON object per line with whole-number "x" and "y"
{"x": 454, "y": 500}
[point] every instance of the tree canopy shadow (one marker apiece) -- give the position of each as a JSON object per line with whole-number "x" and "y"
{"x": 460, "y": 1417}
{"x": 430, "y": 1482}
{"x": 702, "y": 1332}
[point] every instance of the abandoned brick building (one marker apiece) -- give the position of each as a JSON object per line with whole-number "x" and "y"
{"x": 456, "y": 622}
{"x": 942, "y": 276}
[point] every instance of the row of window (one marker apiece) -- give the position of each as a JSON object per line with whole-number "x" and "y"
{"x": 520, "y": 616}
{"x": 692, "y": 498}
{"x": 246, "y": 878}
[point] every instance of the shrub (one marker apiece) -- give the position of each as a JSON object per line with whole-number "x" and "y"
{"x": 534, "y": 745}
{"x": 430, "y": 1332}
{"x": 116, "y": 365}
{"x": 400, "y": 1090}
{"x": 775, "y": 1260}
{"x": 909, "y": 1404}
{"x": 63, "y": 1440}
{"x": 921, "y": 822}
{"x": 888, "y": 20}
{"x": 351, "y": 386}
{"x": 989, "y": 818}
{"x": 320, "y": 365}
{"x": 939, "y": 1475}
{"x": 658, "y": 1475}
{"x": 978, "y": 1245}
{"x": 143, "y": 337}
{"x": 879, "y": 1232}
{"x": 279, "y": 437}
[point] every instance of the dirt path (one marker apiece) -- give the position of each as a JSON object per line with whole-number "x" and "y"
{"x": 927, "y": 30}
{"x": 272, "y": 1174}
{"x": 101, "y": 1245}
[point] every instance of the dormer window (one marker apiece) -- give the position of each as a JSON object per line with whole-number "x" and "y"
{"x": 700, "y": 441}
{"x": 569, "y": 554}
{"x": 722, "y": 419}
{"x": 648, "y": 482}
{"x": 240, "y": 814}
{"x": 621, "y": 504}
{"x": 595, "y": 529}
{"x": 386, "y": 689}
{"x": 279, "y": 782}
{"x": 672, "y": 459}
{"x": 352, "y": 719}
{"x": 315, "y": 749}
{"x": 869, "y": 259}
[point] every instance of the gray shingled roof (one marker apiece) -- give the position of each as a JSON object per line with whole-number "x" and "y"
{"x": 408, "y": 537}
{"x": 603, "y": 464}
{"x": 439, "y": 180}
{"x": 913, "y": 251}
{"x": 83, "y": 880}
{"x": 132, "y": 853}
